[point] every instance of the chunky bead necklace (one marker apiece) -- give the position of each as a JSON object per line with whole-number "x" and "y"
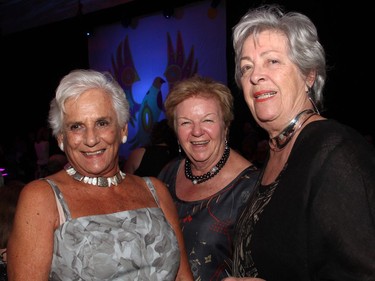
{"x": 280, "y": 141}
{"x": 214, "y": 171}
{"x": 99, "y": 181}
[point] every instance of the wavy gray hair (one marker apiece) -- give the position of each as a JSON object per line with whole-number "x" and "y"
{"x": 305, "y": 49}
{"x": 76, "y": 83}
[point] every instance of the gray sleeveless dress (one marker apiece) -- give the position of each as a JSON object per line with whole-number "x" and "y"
{"x": 129, "y": 245}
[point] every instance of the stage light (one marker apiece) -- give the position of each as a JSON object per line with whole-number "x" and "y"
{"x": 168, "y": 12}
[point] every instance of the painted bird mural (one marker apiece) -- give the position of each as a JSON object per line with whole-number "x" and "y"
{"x": 126, "y": 74}
{"x": 179, "y": 68}
{"x": 149, "y": 113}
{"x": 144, "y": 115}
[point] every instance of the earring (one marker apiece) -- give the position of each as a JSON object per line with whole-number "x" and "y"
{"x": 124, "y": 139}
{"x": 309, "y": 90}
{"x": 61, "y": 145}
{"x": 310, "y": 95}
{"x": 179, "y": 147}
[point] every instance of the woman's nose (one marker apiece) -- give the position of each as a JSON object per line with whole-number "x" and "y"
{"x": 257, "y": 75}
{"x": 92, "y": 137}
{"x": 197, "y": 130}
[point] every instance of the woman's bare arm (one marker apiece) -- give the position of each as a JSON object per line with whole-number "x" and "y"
{"x": 30, "y": 243}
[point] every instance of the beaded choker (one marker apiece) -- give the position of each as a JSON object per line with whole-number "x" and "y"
{"x": 279, "y": 142}
{"x": 99, "y": 181}
{"x": 214, "y": 171}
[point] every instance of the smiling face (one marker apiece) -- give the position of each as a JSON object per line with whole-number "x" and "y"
{"x": 273, "y": 87}
{"x": 91, "y": 135}
{"x": 201, "y": 130}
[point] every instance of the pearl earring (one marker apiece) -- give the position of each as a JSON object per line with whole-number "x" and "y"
{"x": 124, "y": 139}
{"x": 61, "y": 145}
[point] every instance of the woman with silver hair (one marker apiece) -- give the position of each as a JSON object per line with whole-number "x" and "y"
{"x": 312, "y": 216}
{"x": 91, "y": 221}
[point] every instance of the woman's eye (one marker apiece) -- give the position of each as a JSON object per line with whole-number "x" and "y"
{"x": 273, "y": 61}
{"x": 102, "y": 123}
{"x": 74, "y": 127}
{"x": 245, "y": 69}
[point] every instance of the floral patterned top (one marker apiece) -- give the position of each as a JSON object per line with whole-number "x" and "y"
{"x": 208, "y": 224}
{"x": 129, "y": 245}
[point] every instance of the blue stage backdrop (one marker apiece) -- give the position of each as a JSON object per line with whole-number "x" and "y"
{"x": 150, "y": 53}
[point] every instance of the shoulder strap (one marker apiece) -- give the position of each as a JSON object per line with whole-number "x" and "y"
{"x": 63, "y": 209}
{"x": 151, "y": 186}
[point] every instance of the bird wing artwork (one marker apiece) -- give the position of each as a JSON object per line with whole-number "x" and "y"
{"x": 144, "y": 115}
{"x": 126, "y": 74}
{"x": 149, "y": 113}
{"x": 178, "y": 68}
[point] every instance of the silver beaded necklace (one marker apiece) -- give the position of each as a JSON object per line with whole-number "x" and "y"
{"x": 98, "y": 181}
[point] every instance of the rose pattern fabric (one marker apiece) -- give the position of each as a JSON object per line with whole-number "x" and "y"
{"x": 129, "y": 245}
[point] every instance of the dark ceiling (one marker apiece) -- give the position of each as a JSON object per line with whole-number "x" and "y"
{"x": 21, "y": 15}
{"x": 18, "y": 15}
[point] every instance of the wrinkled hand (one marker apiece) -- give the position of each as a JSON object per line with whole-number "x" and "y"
{"x": 242, "y": 279}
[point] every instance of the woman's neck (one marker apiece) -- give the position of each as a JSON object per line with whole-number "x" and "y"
{"x": 282, "y": 139}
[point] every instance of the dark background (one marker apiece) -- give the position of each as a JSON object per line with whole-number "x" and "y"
{"x": 34, "y": 60}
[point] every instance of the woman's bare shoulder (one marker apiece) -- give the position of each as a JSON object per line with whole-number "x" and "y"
{"x": 37, "y": 195}
{"x": 37, "y": 187}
